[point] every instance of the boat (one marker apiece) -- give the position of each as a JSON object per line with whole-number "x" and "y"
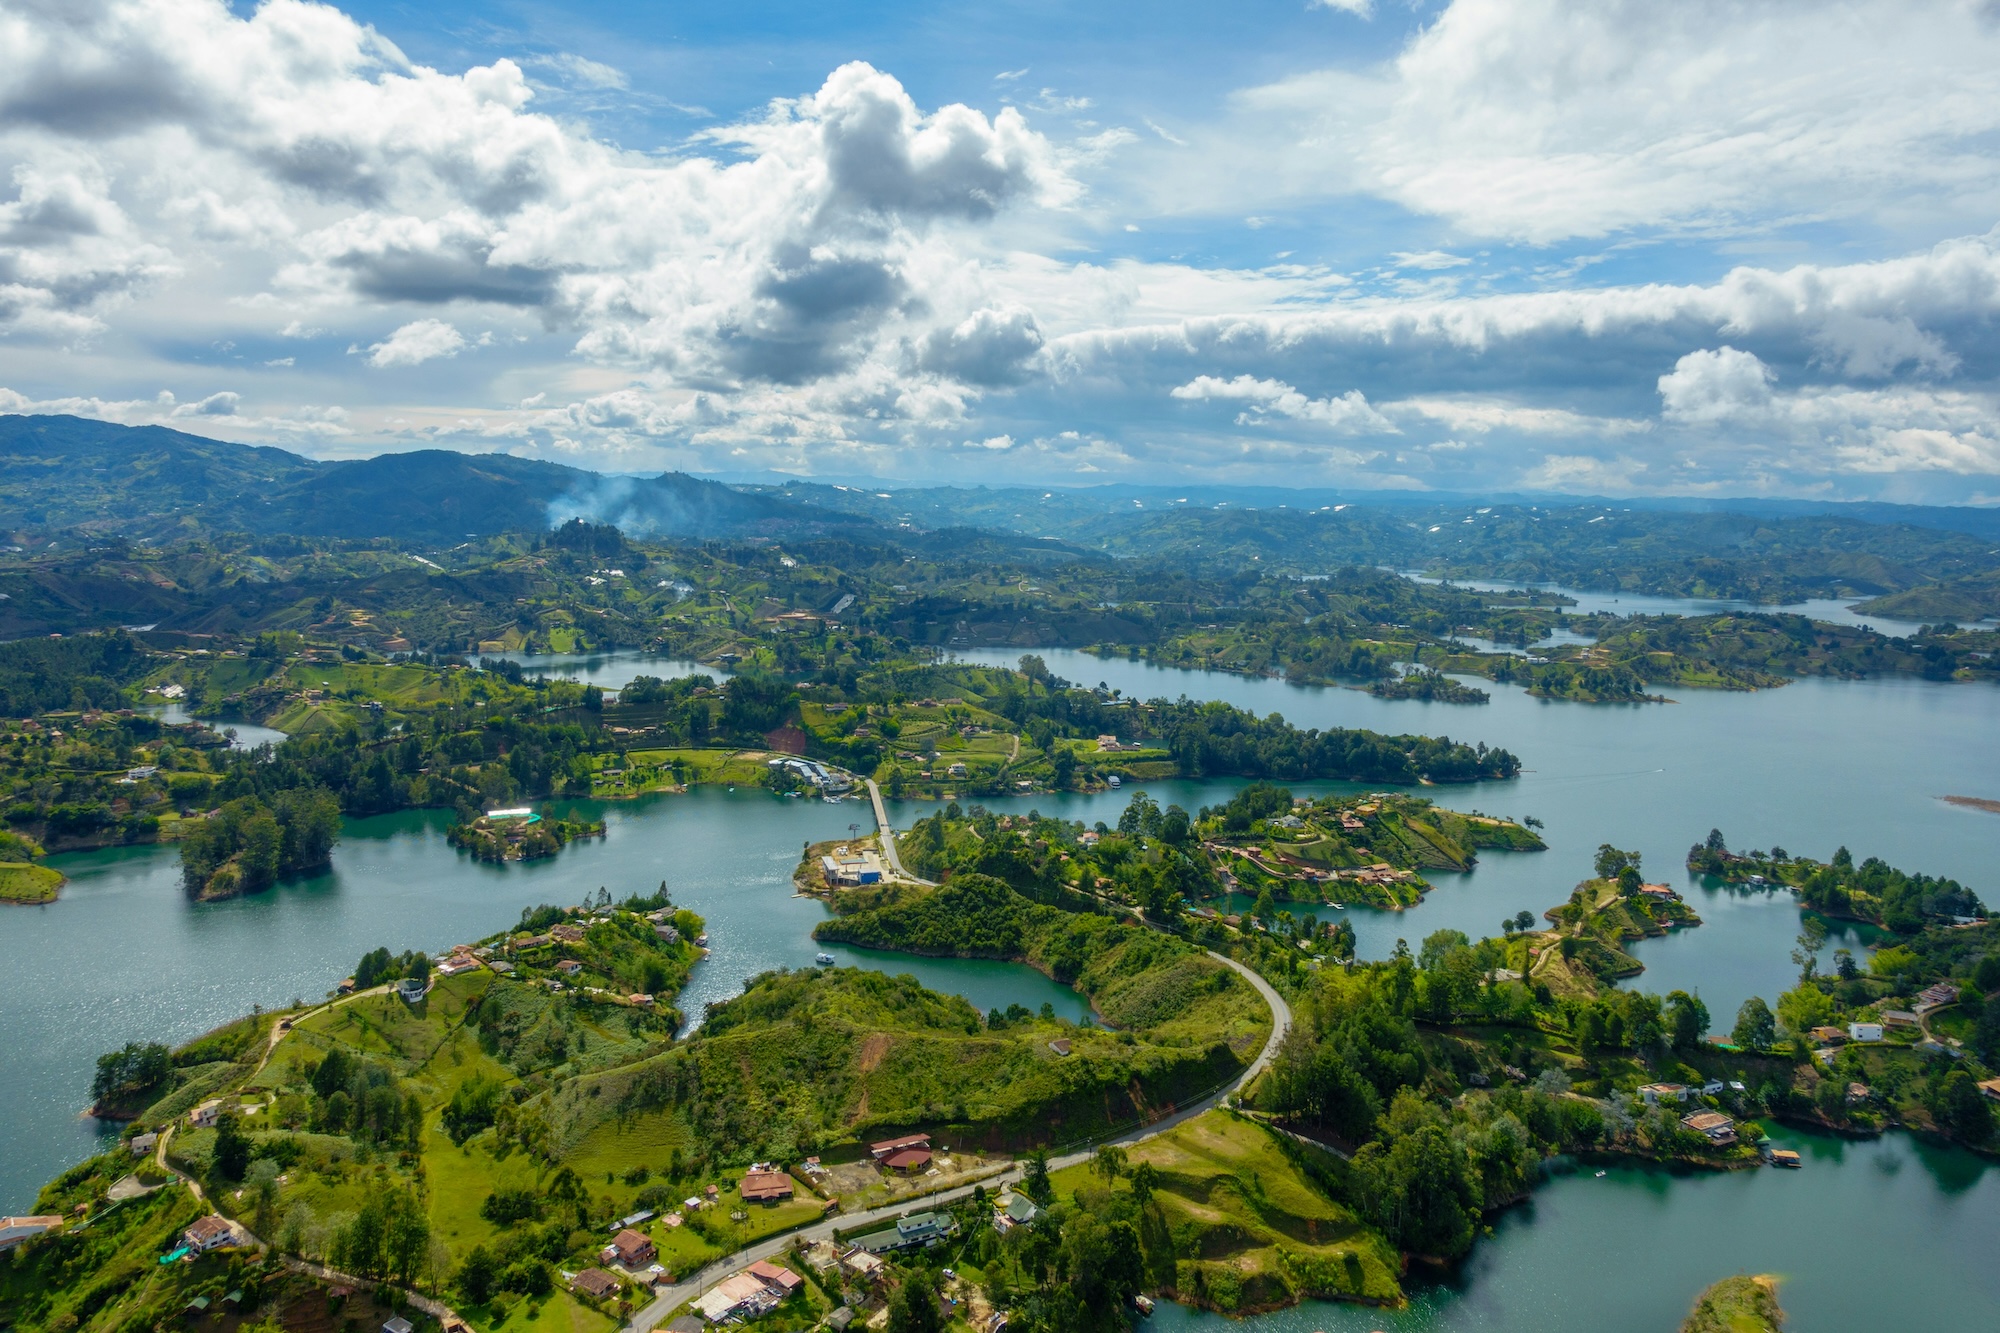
{"x": 1143, "y": 1304}
{"x": 824, "y": 960}
{"x": 1114, "y": 782}
{"x": 1785, "y": 1157}
{"x": 1600, "y": 1175}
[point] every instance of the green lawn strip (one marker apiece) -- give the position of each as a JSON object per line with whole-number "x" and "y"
{"x": 25, "y": 883}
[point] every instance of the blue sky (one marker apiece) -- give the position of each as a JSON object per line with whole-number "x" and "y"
{"x": 1708, "y": 248}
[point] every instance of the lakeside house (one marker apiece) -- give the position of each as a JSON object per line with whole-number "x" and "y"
{"x": 629, "y": 1249}
{"x": 205, "y": 1115}
{"x": 1991, "y": 1088}
{"x": 412, "y": 989}
{"x": 1714, "y": 1126}
{"x": 1864, "y": 1032}
{"x": 205, "y": 1233}
{"x": 142, "y": 1145}
{"x": 768, "y": 1187}
{"x": 15, "y": 1230}
{"x": 1654, "y": 1093}
{"x": 597, "y": 1284}
{"x": 847, "y": 868}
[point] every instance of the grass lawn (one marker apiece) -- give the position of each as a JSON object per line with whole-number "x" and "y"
{"x": 559, "y": 1313}
{"x": 1267, "y": 1233}
{"x": 723, "y": 766}
{"x": 459, "y": 1180}
{"x": 21, "y": 882}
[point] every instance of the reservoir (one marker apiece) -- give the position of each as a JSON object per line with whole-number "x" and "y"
{"x": 123, "y": 955}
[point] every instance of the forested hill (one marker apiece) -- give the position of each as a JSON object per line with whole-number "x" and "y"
{"x": 61, "y": 472}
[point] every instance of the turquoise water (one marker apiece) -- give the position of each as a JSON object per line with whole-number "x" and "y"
{"x": 1878, "y": 1235}
{"x": 1887, "y": 1234}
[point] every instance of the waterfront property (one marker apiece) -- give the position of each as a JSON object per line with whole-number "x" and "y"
{"x": 205, "y": 1115}
{"x": 14, "y": 1230}
{"x": 1714, "y": 1126}
{"x": 846, "y": 868}
{"x": 1654, "y": 1093}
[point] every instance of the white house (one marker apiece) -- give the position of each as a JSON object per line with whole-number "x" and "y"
{"x": 1864, "y": 1032}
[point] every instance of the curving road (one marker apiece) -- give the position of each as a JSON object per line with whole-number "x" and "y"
{"x": 671, "y": 1298}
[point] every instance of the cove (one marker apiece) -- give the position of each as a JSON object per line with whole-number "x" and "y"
{"x": 1814, "y": 765}
{"x": 1888, "y": 1233}
{"x": 123, "y": 955}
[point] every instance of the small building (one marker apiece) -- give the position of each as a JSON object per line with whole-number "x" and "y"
{"x": 667, "y": 934}
{"x": 1014, "y": 1210}
{"x": 629, "y": 1249}
{"x": 740, "y": 1295}
{"x": 766, "y": 1187}
{"x": 1829, "y": 1036}
{"x": 840, "y": 1319}
{"x": 142, "y": 1145}
{"x": 888, "y": 1147}
{"x": 778, "y": 1279}
{"x": 1061, "y": 1046}
{"x": 205, "y": 1233}
{"x": 412, "y": 989}
{"x": 1857, "y": 1093}
{"x": 1990, "y": 1087}
{"x": 205, "y": 1115}
{"x": 1864, "y": 1032}
{"x": 565, "y": 931}
{"x": 569, "y": 967}
{"x": 863, "y": 1264}
{"x": 15, "y": 1230}
{"x": 957, "y": 771}
{"x": 1654, "y": 1093}
{"x": 597, "y": 1284}
{"x": 1900, "y": 1018}
{"x": 1711, "y": 1088}
{"x": 844, "y": 867}
{"x": 909, "y": 1161}
{"x": 1714, "y": 1126}
{"x": 397, "y": 1324}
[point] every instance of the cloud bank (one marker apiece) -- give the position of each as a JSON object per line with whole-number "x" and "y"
{"x": 214, "y": 205}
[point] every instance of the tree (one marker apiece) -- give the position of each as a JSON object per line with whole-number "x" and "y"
{"x": 132, "y": 1073}
{"x": 1108, "y": 1161}
{"x": 1063, "y": 765}
{"x": 1755, "y": 1028}
{"x": 1524, "y": 919}
{"x": 478, "y": 1275}
{"x": 1609, "y": 861}
{"x": 913, "y": 1308}
{"x": 1687, "y": 1018}
{"x": 1035, "y": 1178}
{"x": 232, "y": 1147}
{"x": 1811, "y": 939}
{"x": 1957, "y": 1101}
{"x": 1145, "y": 1179}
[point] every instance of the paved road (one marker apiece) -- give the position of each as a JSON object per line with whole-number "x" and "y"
{"x": 671, "y": 1298}
{"x": 889, "y": 855}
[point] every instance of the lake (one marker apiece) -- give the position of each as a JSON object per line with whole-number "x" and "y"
{"x": 1816, "y": 764}
{"x": 1880, "y": 1234}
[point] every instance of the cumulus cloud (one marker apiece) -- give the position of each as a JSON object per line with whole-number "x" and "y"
{"x": 214, "y": 414}
{"x": 1349, "y": 412}
{"x": 415, "y": 343}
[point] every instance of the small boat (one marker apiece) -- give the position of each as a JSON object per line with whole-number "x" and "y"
{"x": 824, "y": 960}
{"x": 1785, "y": 1157}
{"x": 1114, "y": 781}
{"x": 1143, "y": 1304}
{"x": 1600, "y": 1175}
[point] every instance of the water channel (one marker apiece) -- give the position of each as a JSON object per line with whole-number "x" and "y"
{"x": 1819, "y": 763}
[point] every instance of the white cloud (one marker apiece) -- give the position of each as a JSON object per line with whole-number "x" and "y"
{"x": 1429, "y": 260}
{"x": 415, "y": 343}
{"x": 1358, "y": 8}
{"x": 589, "y": 73}
{"x": 1715, "y": 386}
{"x": 1349, "y": 413}
{"x": 1541, "y": 119}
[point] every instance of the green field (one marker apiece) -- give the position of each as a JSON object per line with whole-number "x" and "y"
{"x": 1238, "y": 1198}
{"x": 21, "y": 882}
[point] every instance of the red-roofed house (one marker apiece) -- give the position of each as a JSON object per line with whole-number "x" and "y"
{"x": 766, "y": 1187}
{"x": 205, "y": 1233}
{"x": 890, "y": 1146}
{"x": 629, "y": 1248}
{"x": 908, "y": 1160}
{"x": 781, "y": 1280}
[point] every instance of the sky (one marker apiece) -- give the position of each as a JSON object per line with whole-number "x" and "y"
{"x": 1618, "y": 248}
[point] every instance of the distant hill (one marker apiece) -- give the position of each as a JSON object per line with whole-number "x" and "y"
{"x": 66, "y": 472}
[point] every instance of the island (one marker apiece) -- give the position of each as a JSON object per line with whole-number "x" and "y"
{"x": 1737, "y": 1305}
{"x": 518, "y": 834}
